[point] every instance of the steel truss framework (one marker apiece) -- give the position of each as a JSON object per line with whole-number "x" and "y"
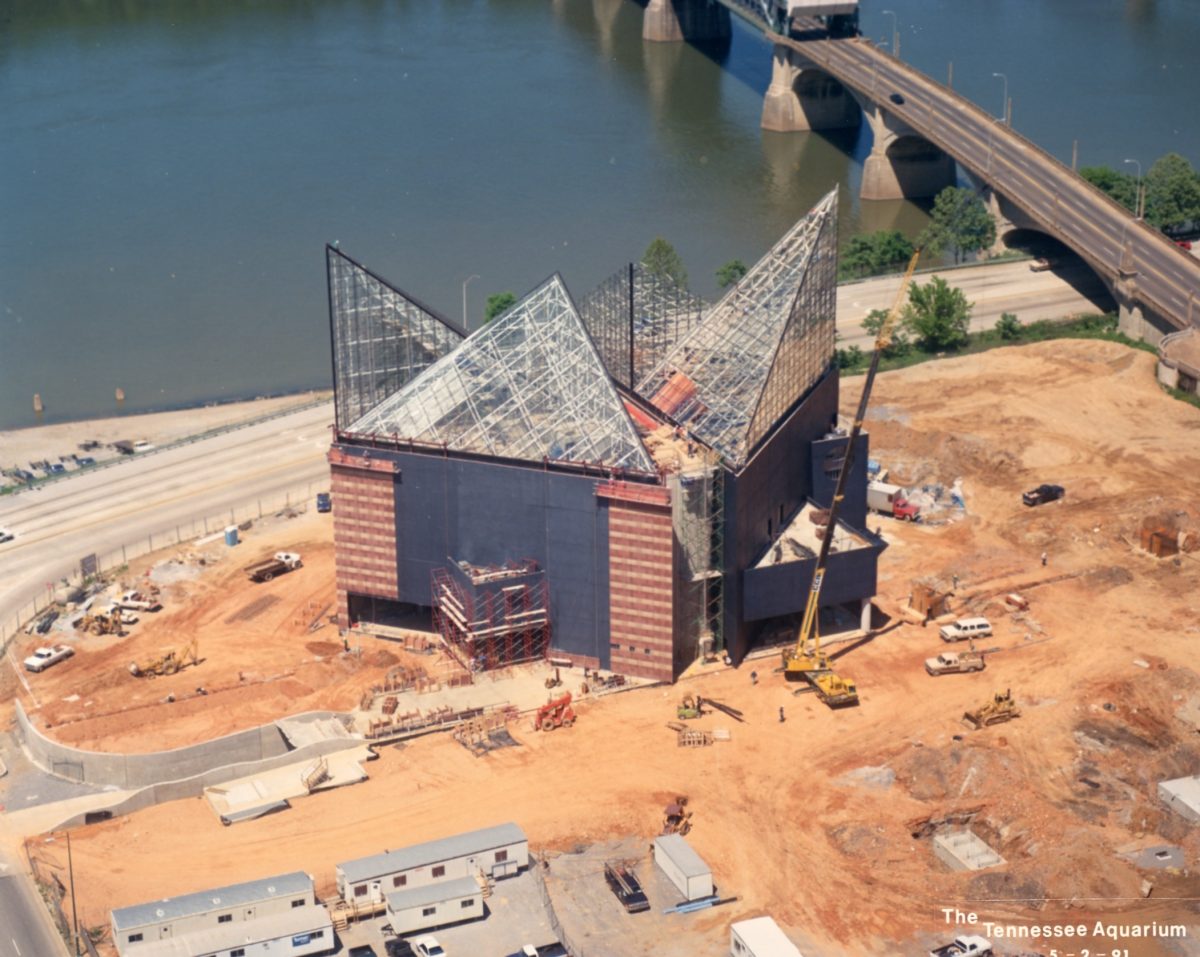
{"x": 528, "y": 385}
{"x": 635, "y": 317}
{"x": 767, "y": 341}
{"x": 382, "y": 337}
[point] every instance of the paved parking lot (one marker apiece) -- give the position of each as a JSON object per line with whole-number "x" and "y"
{"x": 513, "y": 916}
{"x": 596, "y": 925}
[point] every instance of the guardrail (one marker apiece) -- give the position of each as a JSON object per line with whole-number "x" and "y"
{"x": 298, "y": 498}
{"x": 42, "y": 481}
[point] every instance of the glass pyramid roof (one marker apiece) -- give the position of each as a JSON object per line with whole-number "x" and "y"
{"x": 382, "y": 337}
{"x": 758, "y": 350}
{"x": 528, "y": 385}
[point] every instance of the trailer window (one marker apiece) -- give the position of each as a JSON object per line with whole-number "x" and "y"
{"x": 439, "y": 871}
{"x": 399, "y": 880}
{"x": 501, "y": 856}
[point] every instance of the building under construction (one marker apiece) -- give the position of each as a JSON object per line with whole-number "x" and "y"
{"x": 629, "y": 483}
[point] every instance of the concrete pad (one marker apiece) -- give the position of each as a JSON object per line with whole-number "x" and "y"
{"x": 1154, "y": 856}
{"x": 269, "y": 789}
{"x": 1182, "y": 796}
{"x": 964, "y": 851}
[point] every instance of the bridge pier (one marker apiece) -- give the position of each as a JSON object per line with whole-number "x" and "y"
{"x": 902, "y": 165}
{"x": 672, "y": 21}
{"x": 803, "y": 97}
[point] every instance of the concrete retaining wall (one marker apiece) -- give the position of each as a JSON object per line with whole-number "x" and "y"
{"x": 194, "y": 767}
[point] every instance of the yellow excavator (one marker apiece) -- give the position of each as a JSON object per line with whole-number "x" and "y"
{"x": 807, "y": 662}
{"x": 168, "y": 663}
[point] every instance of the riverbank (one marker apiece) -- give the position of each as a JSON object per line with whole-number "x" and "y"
{"x": 60, "y": 442}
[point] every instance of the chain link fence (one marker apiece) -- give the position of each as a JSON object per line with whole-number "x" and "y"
{"x": 189, "y": 531}
{"x": 540, "y": 862}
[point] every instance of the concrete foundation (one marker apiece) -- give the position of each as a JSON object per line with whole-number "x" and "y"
{"x": 802, "y": 97}
{"x": 672, "y": 21}
{"x": 1182, "y": 796}
{"x": 964, "y": 851}
{"x": 902, "y": 165}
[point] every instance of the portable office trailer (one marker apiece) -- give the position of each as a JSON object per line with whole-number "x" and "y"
{"x": 760, "y": 937}
{"x": 190, "y": 913}
{"x": 499, "y": 851}
{"x": 302, "y": 932}
{"x": 435, "y": 904}
{"x": 683, "y": 866}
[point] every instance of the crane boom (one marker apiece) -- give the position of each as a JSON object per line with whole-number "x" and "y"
{"x": 812, "y": 664}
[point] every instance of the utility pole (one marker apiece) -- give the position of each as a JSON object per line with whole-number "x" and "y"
{"x": 950, "y": 76}
{"x": 1074, "y": 155}
{"x": 74, "y": 910}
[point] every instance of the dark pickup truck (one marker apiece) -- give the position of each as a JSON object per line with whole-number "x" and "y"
{"x": 626, "y": 886}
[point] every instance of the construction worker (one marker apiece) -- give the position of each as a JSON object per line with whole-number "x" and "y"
{"x": 956, "y": 583}
{"x": 1043, "y": 559}
{"x": 781, "y": 714}
{"x": 753, "y": 677}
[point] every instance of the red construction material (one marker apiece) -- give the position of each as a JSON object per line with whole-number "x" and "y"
{"x": 676, "y": 391}
{"x": 492, "y": 625}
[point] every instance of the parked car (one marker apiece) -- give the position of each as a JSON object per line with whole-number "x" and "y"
{"x": 141, "y": 445}
{"x": 324, "y": 502}
{"x": 6, "y": 536}
{"x": 1043, "y": 494}
{"x": 1042, "y": 264}
{"x": 966, "y": 628}
{"x": 1183, "y": 243}
{"x": 428, "y": 946}
{"x": 362, "y": 950}
{"x": 84, "y": 460}
{"x": 43, "y": 658}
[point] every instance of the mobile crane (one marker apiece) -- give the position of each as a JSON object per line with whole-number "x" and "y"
{"x": 806, "y": 661}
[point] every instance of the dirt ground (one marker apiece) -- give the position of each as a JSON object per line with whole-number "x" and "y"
{"x": 785, "y": 813}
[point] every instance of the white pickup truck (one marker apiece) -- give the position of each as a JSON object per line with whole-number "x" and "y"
{"x": 965, "y": 947}
{"x": 43, "y": 658}
{"x": 138, "y": 601}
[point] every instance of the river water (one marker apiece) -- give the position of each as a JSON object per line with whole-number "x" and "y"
{"x": 170, "y": 170}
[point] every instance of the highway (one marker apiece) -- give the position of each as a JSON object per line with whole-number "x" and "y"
{"x": 100, "y": 511}
{"x": 25, "y": 928}
{"x": 1164, "y": 278}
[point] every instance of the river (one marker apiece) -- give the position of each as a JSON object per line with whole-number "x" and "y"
{"x": 170, "y": 169}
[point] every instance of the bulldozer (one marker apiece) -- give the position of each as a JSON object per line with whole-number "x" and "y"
{"x": 555, "y": 714}
{"x": 102, "y": 624}
{"x": 168, "y": 663}
{"x": 1000, "y": 709}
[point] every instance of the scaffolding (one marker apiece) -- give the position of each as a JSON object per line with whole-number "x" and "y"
{"x": 382, "y": 337}
{"x": 492, "y": 616}
{"x": 698, "y": 516}
{"x": 759, "y": 349}
{"x": 635, "y": 317}
{"x": 528, "y": 385}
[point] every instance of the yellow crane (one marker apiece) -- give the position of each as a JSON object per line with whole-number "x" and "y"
{"x": 806, "y": 661}
{"x": 168, "y": 663}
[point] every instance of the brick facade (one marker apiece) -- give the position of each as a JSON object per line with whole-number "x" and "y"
{"x": 640, "y": 549}
{"x": 364, "y": 529}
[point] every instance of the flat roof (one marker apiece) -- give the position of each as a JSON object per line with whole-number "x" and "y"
{"x": 1183, "y": 791}
{"x": 431, "y": 852}
{"x": 763, "y": 936}
{"x": 681, "y": 854}
{"x": 437, "y": 893}
{"x": 293, "y": 923}
{"x": 201, "y": 902}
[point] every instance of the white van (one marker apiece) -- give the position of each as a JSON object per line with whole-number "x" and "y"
{"x": 966, "y": 628}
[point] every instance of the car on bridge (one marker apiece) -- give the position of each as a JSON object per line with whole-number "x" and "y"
{"x": 1043, "y": 494}
{"x": 6, "y": 535}
{"x": 897, "y": 99}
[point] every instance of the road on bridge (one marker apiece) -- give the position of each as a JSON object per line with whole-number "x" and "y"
{"x": 1160, "y": 274}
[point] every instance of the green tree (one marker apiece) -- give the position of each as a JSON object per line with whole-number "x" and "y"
{"x": 731, "y": 272}
{"x": 1119, "y": 185}
{"x": 662, "y": 260}
{"x": 873, "y": 253}
{"x": 1172, "y": 197}
{"x": 849, "y": 358}
{"x": 938, "y": 314}
{"x": 1009, "y": 326}
{"x": 960, "y": 221}
{"x": 496, "y": 304}
{"x": 899, "y": 344}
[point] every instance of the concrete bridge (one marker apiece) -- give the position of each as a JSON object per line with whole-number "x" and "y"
{"x": 923, "y": 132}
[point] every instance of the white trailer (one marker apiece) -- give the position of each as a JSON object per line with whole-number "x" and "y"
{"x": 760, "y": 937}
{"x": 435, "y": 905}
{"x": 683, "y": 866}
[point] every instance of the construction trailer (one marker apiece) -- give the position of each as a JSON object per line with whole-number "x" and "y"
{"x": 255, "y": 917}
{"x": 760, "y": 937}
{"x": 495, "y": 852}
{"x": 435, "y": 905}
{"x": 683, "y": 866}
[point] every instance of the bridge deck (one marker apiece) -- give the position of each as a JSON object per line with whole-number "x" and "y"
{"x": 1156, "y": 273}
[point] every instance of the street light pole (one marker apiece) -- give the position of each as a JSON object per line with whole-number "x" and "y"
{"x": 895, "y": 34}
{"x": 464, "y": 290}
{"x": 1137, "y": 202}
{"x": 1004, "y": 102}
